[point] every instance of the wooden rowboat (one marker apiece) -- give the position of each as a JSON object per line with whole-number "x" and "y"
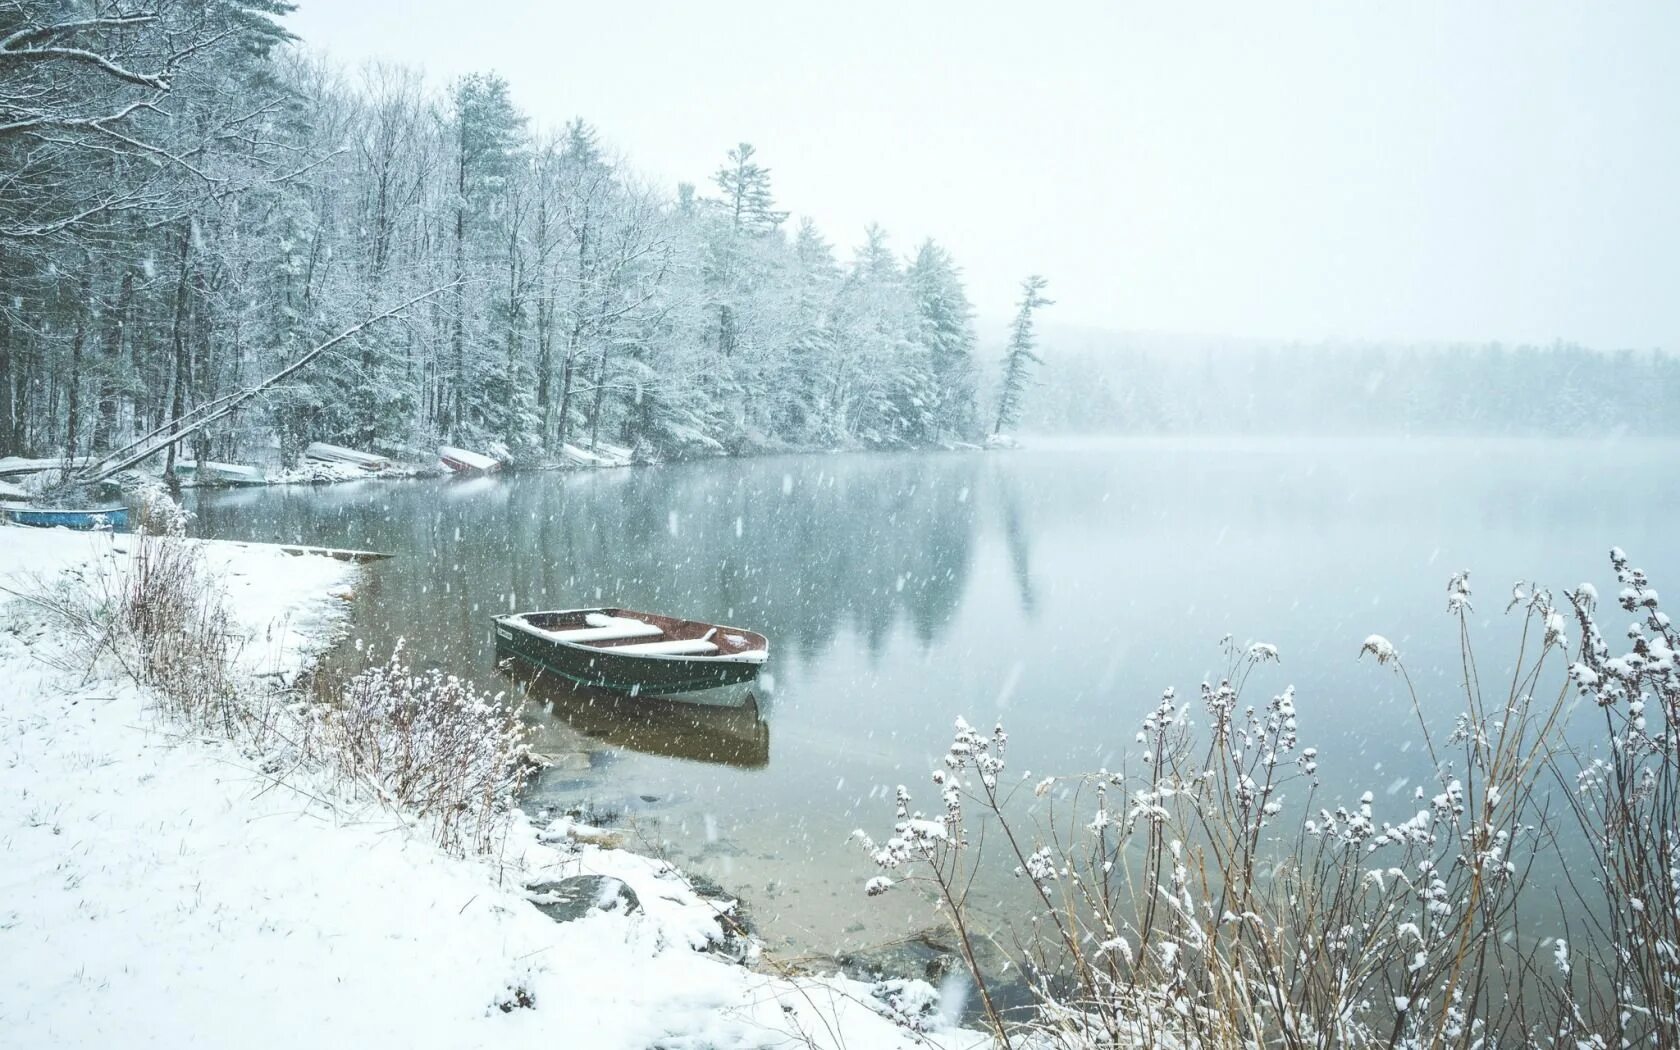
{"x": 321, "y": 452}
{"x": 461, "y": 461}
{"x": 210, "y": 473}
{"x": 643, "y": 654}
{"x": 113, "y": 517}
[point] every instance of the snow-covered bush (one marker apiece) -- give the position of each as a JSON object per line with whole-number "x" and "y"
{"x": 171, "y": 630}
{"x": 429, "y": 744}
{"x": 1204, "y": 895}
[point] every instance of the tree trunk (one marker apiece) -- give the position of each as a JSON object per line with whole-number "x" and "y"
{"x": 545, "y": 365}
{"x": 726, "y": 330}
{"x": 73, "y": 398}
{"x": 600, "y": 397}
{"x": 200, "y": 367}
{"x": 567, "y": 367}
{"x": 178, "y": 398}
{"x": 510, "y": 418}
{"x": 458, "y": 335}
{"x": 9, "y": 443}
{"x": 23, "y": 386}
{"x": 143, "y": 392}
{"x": 110, "y": 366}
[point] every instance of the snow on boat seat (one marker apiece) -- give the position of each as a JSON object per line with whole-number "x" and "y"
{"x": 603, "y": 629}
{"x": 691, "y": 647}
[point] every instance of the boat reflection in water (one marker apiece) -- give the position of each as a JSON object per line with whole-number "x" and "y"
{"x": 733, "y": 735}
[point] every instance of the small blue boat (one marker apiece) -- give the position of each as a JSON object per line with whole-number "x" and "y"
{"x": 114, "y": 518}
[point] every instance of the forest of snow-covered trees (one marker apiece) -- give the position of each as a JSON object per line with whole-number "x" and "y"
{"x": 1104, "y": 382}
{"x": 189, "y": 202}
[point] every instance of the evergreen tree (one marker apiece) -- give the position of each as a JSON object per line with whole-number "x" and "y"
{"x": 746, "y": 193}
{"x": 488, "y": 142}
{"x": 1021, "y": 353}
{"x": 945, "y": 327}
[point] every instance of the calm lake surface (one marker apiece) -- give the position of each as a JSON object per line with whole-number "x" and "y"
{"x": 1059, "y": 588}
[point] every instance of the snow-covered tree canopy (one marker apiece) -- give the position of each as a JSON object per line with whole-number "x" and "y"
{"x": 187, "y": 204}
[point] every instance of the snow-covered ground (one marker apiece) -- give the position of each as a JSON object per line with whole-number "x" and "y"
{"x": 162, "y": 888}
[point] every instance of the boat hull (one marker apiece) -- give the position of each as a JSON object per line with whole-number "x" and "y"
{"x": 114, "y": 518}
{"x": 461, "y": 461}
{"x": 321, "y": 452}
{"x": 697, "y": 681}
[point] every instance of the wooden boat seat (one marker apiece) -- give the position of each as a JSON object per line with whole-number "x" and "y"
{"x": 690, "y": 647}
{"x": 616, "y": 630}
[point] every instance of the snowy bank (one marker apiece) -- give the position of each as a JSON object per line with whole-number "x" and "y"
{"x": 165, "y": 888}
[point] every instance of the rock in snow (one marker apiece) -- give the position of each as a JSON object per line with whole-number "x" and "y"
{"x": 575, "y": 896}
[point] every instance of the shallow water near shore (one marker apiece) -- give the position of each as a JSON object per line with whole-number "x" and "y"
{"x": 1058, "y": 588}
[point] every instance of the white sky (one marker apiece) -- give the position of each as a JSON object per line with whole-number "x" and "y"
{"x": 1429, "y": 170}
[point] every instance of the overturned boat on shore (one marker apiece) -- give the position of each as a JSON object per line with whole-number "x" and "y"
{"x": 638, "y": 653}
{"x": 209, "y": 473}
{"x": 465, "y": 461}
{"x": 321, "y": 452}
{"x": 113, "y": 518}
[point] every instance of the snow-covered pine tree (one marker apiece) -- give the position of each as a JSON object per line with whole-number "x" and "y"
{"x": 489, "y": 142}
{"x": 745, "y": 185}
{"x": 271, "y": 200}
{"x": 945, "y": 327}
{"x": 799, "y": 412}
{"x": 1021, "y": 354}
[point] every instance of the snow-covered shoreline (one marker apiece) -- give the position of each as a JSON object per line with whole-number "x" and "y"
{"x": 163, "y": 887}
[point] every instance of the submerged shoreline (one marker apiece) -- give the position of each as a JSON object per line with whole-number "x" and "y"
{"x": 181, "y": 888}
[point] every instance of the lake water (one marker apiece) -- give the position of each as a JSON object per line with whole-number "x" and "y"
{"x": 1059, "y": 588}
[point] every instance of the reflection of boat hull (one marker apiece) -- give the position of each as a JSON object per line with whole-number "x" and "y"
{"x": 115, "y": 518}
{"x": 535, "y": 638}
{"x": 732, "y": 735}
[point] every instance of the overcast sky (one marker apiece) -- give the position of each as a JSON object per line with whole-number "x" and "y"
{"x": 1416, "y": 170}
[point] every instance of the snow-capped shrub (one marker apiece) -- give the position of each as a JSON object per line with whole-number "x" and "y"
{"x": 1203, "y": 895}
{"x": 430, "y": 744}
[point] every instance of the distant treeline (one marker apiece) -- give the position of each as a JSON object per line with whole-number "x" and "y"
{"x": 1135, "y": 387}
{"x": 188, "y": 204}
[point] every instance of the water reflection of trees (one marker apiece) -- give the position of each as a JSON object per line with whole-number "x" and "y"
{"x": 1017, "y": 538}
{"x": 804, "y": 548}
{"x": 878, "y": 544}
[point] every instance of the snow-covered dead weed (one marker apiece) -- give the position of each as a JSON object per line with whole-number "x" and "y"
{"x": 1205, "y": 896}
